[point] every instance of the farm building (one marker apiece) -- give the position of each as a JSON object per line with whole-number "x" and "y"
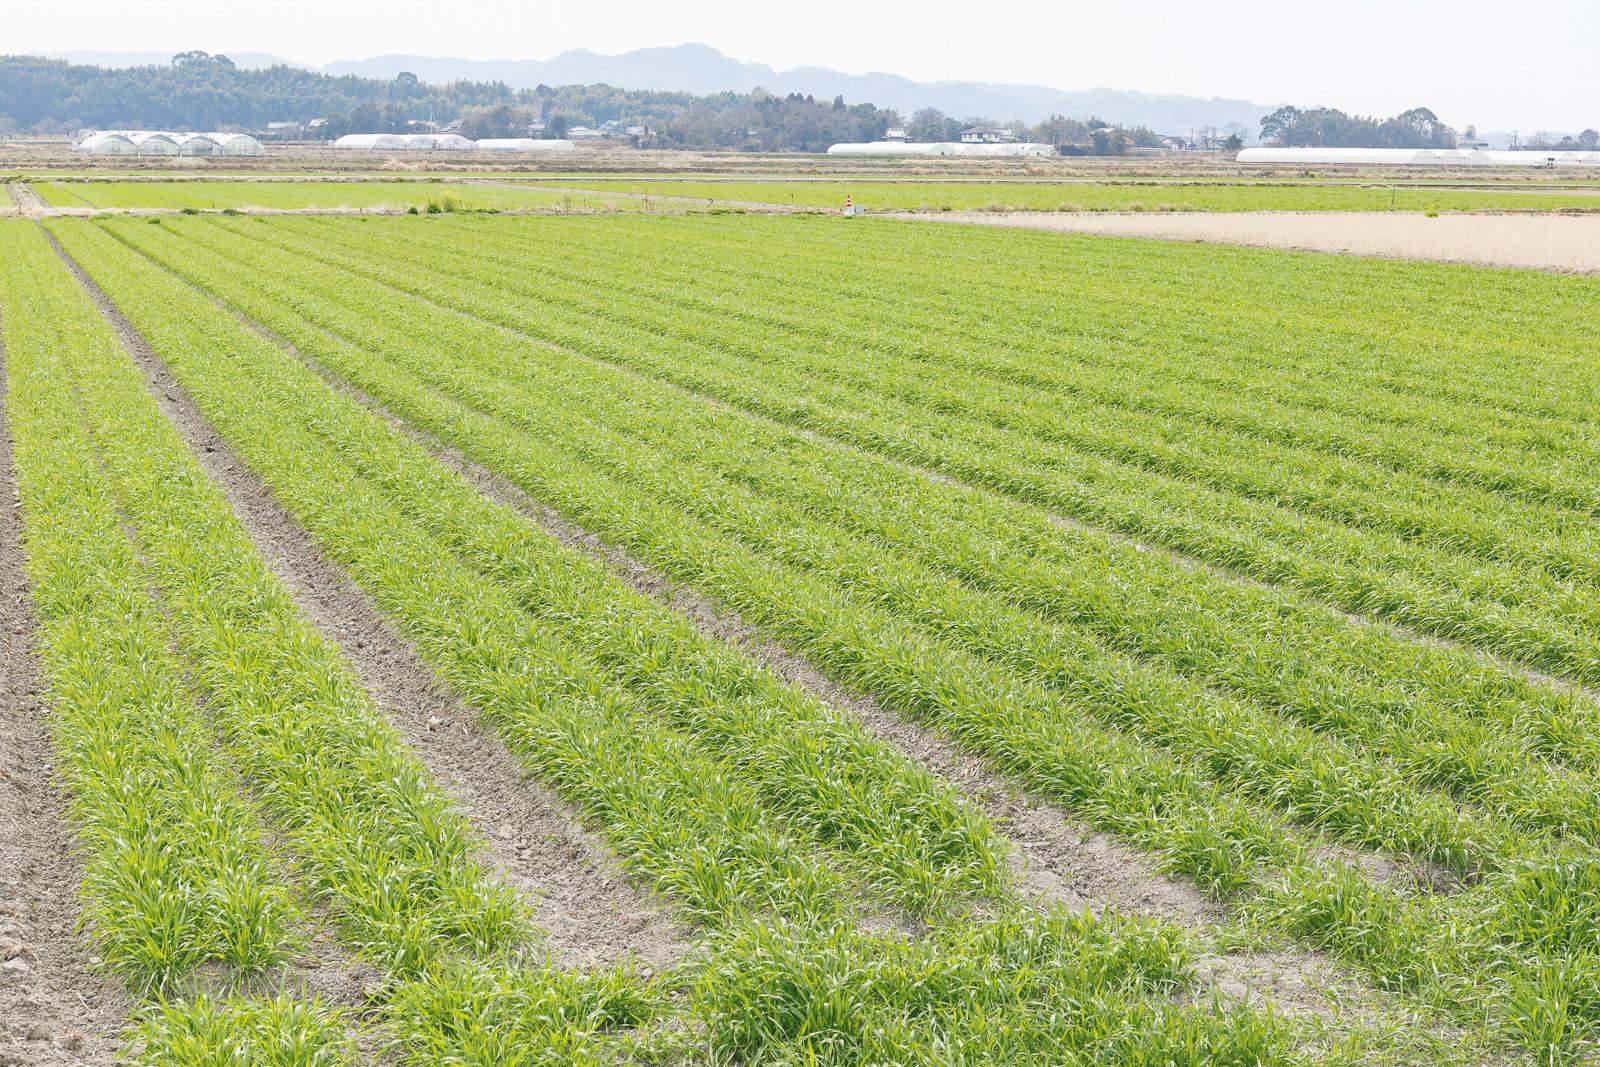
{"x": 152, "y": 143}
{"x": 162, "y": 143}
{"x": 196, "y": 144}
{"x": 106, "y": 144}
{"x": 1426, "y": 157}
{"x": 367, "y": 141}
{"x": 987, "y": 135}
{"x": 523, "y": 144}
{"x": 941, "y": 148}
{"x": 237, "y": 144}
{"x": 436, "y": 142}
{"x": 404, "y": 142}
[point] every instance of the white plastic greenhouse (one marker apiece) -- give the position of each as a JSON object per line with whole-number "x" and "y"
{"x": 196, "y": 144}
{"x": 382, "y": 141}
{"x": 524, "y": 144}
{"x": 1426, "y": 157}
{"x": 237, "y": 144}
{"x": 163, "y": 143}
{"x": 106, "y": 144}
{"x": 152, "y": 142}
{"x": 941, "y": 148}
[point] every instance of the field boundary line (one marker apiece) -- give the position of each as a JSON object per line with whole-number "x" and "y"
{"x": 589, "y": 910}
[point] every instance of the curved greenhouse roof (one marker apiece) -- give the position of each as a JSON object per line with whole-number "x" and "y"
{"x": 524, "y": 144}
{"x": 106, "y": 144}
{"x": 166, "y": 143}
{"x": 237, "y": 144}
{"x": 385, "y": 141}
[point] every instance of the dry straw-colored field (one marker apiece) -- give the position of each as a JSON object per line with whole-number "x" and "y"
{"x": 1545, "y": 242}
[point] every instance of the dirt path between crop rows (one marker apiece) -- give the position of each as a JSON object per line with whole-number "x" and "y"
{"x": 53, "y": 1008}
{"x": 580, "y": 896}
{"x": 1057, "y": 859}
{"x": 1540, "y": 240}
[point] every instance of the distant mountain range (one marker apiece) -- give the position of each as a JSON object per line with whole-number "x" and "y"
{"x": 701, "y": 69}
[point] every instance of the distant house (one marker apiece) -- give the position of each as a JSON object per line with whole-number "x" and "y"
{"x": 894, "y": 133}
{"x": 987, "y": 135}
{"x": 584, "y": 133}
{"x": 286, "y": 131}
{"x": 1176, "y": 144}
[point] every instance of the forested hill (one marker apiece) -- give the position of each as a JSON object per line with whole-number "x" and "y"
{"x": 198, "y": 91}
{"x": 207, "y": 92}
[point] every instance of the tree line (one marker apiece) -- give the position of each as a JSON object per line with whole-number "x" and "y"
{"x": 197, "y": 90}
{"x": 1326, "y": 127}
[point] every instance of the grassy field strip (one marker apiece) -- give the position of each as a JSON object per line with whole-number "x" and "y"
{"x": 914, "y": 344}
{"x": 807, "y": 742}
{"x": 996, "y": 364}
{"x": 1342, "y": 489}
{"x": 374, "y": 838}
{"x": 1125, "y": 985}
{"x": 372, "y": 835}
{"x": 1434, "y": 591}
{"x": 1313, "y": 905}
{"x": 1451, "y": 752}
{"x": 1519, "y": 884}
{"x": 968, "y": 306}
{"x": 1295, "y": 526}
{"x": 1027, "y": 196}
{"x": 290, "y": 196}
{"x": 1092, "y": 673}
{"x": 177, "y": 873}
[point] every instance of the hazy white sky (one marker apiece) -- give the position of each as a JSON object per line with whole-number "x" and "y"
{"x": 1497, "y": 64}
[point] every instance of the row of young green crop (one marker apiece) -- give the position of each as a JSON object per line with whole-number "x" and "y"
{"x": 1399, "y": 940}
{"x": 1138, "y": 300}
{"x": 1046, "y": 408}
{"x": 1529, "y": 615}
{"x": 1056, "y": 654}
{"x": 177, "y": 872}
{"x": 1052, "y": 428}
{"x": 1045, "y": 196}
{"x": 823, "y": 987}
{"x": 1044, "y": 352}
{"x": 406, "y": 943}
{"x": 1479, "y": 733}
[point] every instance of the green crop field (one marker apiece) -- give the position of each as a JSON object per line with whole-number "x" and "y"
{"x": 293, "y": 196}
{"x": 1109, "y": 196}
{"x": 836, "y": 643}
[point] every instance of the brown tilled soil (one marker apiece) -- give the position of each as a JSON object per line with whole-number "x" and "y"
{"x": 591, "y": 912}
{"x": 1554, "y": 242}
{"x": 53, "y": 1008}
